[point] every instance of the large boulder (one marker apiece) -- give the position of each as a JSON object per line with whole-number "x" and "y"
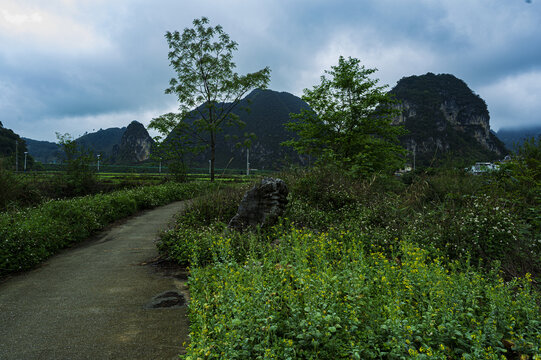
{"x": 262, "y": 205}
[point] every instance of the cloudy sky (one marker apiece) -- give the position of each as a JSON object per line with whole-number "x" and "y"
{"x": 72, "y": 66}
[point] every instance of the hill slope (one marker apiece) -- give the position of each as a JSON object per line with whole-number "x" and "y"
{"x": 445, "y": 119}
{"x": 269, "y": 111}
{"x": 11, "y": 144}
{"x": 45, "y": 152}
{"x": 99, "y": 142}
{"x": 102, "y": 141}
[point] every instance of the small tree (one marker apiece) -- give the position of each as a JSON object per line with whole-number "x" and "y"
{"x": 202, "y": 59}
{"x": 172, "y": 150}
{"x": 79, "y": 175}
{"x": 349, "y": 121}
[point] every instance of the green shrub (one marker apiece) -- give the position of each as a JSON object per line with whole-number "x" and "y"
{"x": 331, "y": 189}
{"x": 10, "y": 187}
{"x": 317, "y": 296}
{"x": 190, "y": 242}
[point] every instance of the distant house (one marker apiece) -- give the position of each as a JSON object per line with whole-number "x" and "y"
{"x": 401, "y": 172}
{"x": 483, "y": 167}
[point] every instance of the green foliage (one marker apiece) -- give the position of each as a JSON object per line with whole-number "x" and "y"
{"x": 202, "y": 59}
{"x": 320, "y": 296}
{"x": 10, "y": 188}
{"x": 526, "y": 163}
{"x": 31, "y": 235}
{"x": 349, "y": 122}
{"x": 20, "y": 190}
{"x": 366, "y": 269}
{"x": 520, "y": 180}
{"x": 186, "y": 244}
{"x": 172, "y": 146}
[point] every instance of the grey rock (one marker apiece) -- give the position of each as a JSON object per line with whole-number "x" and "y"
{"x": 168, "y": 299}
{"x": 134, "y": 146}
{"x": 262, "y": 205}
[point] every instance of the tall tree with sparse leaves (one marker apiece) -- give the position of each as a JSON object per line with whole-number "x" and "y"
{"x": 349, "y": 121}
{"x": 202, "y": 58}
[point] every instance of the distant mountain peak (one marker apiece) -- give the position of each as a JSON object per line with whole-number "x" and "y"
{"x": 99, "y": 142}
{"x": 444, "y": 116}
{"x": 134, "y": 146}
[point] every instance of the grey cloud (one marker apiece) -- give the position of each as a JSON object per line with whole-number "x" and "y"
{"x": 479, "y": 46}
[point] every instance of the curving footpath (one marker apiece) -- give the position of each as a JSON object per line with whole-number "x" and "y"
{"x": 90, "y": 301}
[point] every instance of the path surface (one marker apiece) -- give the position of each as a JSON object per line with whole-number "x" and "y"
{"x": 89, "y": 302}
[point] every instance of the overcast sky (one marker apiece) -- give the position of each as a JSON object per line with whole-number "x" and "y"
{"x": 72, "y": 66}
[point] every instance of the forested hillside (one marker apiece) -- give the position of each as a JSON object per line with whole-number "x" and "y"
{"x": 445, "y": 120}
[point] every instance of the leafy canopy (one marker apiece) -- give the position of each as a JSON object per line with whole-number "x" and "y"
{"x": 202, "y": 58}
{"x": 349, "y": 122}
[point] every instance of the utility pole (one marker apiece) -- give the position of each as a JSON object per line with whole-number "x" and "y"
{"x": 16, "y": 155}
{"x": 160, "y": 166}
{"x": 98, "y": 162}
{"x": 247, "y": 161}
{"x": 25, "y": 153}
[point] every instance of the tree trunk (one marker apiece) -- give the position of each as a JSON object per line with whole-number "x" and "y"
{"x": 212, "y": 154}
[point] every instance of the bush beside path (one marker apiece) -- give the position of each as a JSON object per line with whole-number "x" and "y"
{"x": 31, "y": 235}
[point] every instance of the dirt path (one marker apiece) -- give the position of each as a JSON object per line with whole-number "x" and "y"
{"x": 91, "y": 302}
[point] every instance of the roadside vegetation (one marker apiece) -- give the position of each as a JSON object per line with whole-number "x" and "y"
{"x": 32, "y": 234}
{"x": 441, "y": 264}
{"x": 33, "y": 188}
